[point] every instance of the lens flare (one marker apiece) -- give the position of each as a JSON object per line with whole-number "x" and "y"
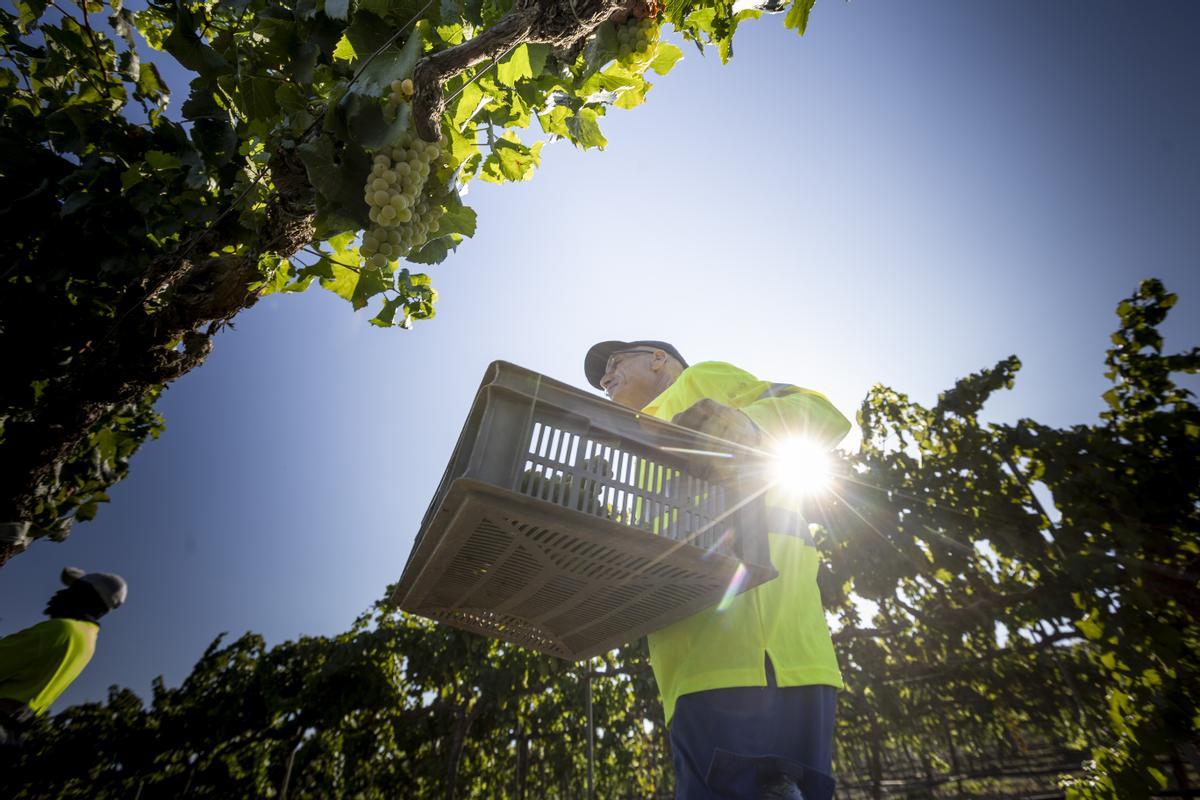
{"x": 801, "y": 466}
{"x": 715, "y": 547}
{"x": 735, "y": 586}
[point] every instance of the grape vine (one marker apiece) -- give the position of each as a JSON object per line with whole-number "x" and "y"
{"x": 1089, "y": 695}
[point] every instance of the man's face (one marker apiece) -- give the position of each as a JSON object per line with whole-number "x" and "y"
{"x": 634, "y": 377}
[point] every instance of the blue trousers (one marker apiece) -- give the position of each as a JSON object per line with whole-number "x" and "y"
{"x": 725, "y": 742}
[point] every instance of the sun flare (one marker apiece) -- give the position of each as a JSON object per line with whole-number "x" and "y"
{"x": 801, "y": 466}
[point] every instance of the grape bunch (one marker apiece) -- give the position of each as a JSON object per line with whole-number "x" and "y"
{"x": 636, "y": 39}
{"x": 404, "y": 211}
{"x": 400, "y": 92}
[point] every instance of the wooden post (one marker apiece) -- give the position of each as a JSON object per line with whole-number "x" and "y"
{"x": 1177, "y": 766}
{"x": 876, "y": 769}
{"x": 522, "y": 764}
{"x": 287, "y": 774}
{"x": 955, "y": 769}
{"x": 591, "y": 744}
{"x": 460, "y": 737}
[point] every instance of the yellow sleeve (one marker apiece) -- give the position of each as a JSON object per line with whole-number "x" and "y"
{"x": 784, "y": 411}
{"x": 781, "y": 410}
{"x": 714, "y": 380}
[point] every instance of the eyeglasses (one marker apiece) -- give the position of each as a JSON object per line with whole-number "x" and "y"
{"x": 613, "y": 360}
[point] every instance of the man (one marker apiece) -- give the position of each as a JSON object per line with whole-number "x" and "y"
{"x": 38, "y": 664}
{"x": 748, "y": 691}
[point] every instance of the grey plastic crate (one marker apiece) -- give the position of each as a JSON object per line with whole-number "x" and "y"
{"x": 567, "y": 524}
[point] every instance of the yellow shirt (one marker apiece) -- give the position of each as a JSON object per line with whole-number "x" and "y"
{"x": 783, "y": 618}
{"x": 40, "y": 662}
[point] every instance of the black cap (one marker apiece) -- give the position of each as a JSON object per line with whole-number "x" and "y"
{"x": 596, "y": 360}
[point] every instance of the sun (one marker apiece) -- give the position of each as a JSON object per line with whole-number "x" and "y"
{"x": 801, "y": 466}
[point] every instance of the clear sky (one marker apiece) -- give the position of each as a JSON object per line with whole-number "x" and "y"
{"x": 909, "y": 193}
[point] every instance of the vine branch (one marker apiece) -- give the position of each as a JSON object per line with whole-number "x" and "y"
{"x": 559, "y": 23}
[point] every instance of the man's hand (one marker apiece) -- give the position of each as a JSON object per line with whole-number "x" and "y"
{"x": 716, "y": 419}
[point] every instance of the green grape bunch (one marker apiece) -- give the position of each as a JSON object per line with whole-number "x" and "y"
{"x": 636, "y": 40}
{"x": 404, "y": 209}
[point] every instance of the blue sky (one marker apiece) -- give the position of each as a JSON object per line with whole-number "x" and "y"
{"x": 909, "y": 193}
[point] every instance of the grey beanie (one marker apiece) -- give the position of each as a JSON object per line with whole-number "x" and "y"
{"x": 111, "y": 588}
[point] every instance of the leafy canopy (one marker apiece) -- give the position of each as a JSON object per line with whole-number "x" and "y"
{"x": 140, "y": 218}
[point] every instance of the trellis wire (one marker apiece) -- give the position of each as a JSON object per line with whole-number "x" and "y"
{"x": 480, "y": 73}
{"x": 391, "y": 40}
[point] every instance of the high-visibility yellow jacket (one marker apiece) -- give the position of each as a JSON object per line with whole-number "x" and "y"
{"x": 40, "y": 662}
{"x": 782, "y": 618}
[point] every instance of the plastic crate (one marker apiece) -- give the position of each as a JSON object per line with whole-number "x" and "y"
{"x": 569, "y": 525}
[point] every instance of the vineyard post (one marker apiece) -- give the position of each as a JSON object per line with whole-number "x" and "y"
{"x": 876, "y": 767}
{"x": 591, "y": 731}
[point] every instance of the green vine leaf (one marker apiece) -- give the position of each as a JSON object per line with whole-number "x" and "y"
{"x": 344, "y": 51}
{"x": 510, "y": 160}
{"x": 666, "y": 57}
{"x": 436, "y": 250}
{"x": 459, "y": 219}
{"x": 386, "y": 317}
{"x": 340, "y": 204}
{"x": 189, "y": 49}
{"x": 797, "y": 16}
{"x": 525, "y": 62}
{"x": 583, "y": 128}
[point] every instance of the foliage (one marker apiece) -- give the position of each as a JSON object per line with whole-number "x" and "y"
{"x": 136, "y": 227}
{"x": 395, "y": 707}
{"x": 1010, "y": 643}
{"x": 1080, "y": 624}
